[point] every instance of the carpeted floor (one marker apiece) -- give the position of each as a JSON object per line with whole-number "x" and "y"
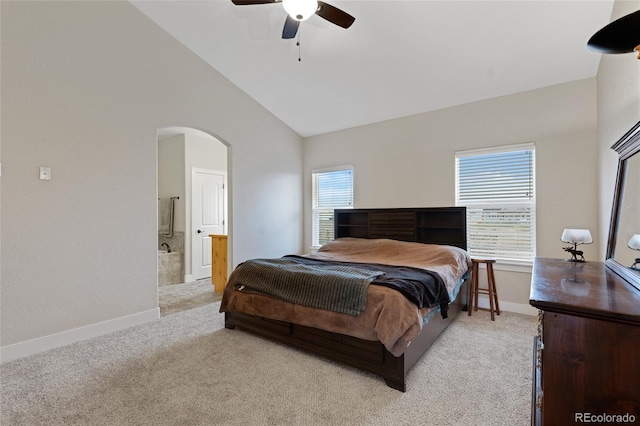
{"x": 174, "y": 298}
{"x": 186, "y": 368}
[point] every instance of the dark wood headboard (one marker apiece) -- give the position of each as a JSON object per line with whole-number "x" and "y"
{"x": 429, "y": 225}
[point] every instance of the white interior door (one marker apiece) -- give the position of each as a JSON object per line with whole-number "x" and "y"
{"x": 208, "y": 217}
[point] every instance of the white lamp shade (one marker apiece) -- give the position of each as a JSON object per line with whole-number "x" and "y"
{"x": 634, "y": 242}
{"x": 300, "y": 10}
{"x": 580, "y": 236}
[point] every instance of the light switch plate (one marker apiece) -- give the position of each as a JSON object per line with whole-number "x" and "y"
{"x": 45, "y": 173}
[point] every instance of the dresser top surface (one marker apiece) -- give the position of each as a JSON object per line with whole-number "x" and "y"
{"x": 588, "y": 288}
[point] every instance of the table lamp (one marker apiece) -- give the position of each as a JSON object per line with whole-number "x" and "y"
{"x": 576, "y": 237}
{"x": 634, "y": 244}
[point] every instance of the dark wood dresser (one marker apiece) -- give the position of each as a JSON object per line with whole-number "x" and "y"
{"x": 587, "y": 353}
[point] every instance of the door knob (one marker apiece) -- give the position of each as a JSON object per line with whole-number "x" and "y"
{"x": 199, "y": 231}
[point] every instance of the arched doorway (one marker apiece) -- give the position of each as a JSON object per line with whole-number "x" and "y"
{"x": 192, "y": 195}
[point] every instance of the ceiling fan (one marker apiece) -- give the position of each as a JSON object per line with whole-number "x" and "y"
{"x": 301, "y": 10}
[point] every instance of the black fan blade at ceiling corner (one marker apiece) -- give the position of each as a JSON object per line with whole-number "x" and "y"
{"x": 290, "y": 27}
{"x": 334, "y": 15}
{"x": 250, "y": 2}
{"x": 620, "y": 36}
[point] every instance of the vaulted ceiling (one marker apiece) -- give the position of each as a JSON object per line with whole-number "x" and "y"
{"x": 399, "y": 58}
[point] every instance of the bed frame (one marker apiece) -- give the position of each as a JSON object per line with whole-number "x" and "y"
{"x": 441, "y": 225}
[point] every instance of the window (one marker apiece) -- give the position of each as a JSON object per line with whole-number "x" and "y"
{"x": 332, "y": 189}
{"x": 498, "y": 188}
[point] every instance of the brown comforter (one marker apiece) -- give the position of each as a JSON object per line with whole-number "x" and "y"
{"x": 389, "y": 317}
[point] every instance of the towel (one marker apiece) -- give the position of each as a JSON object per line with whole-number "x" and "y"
{"x": 165, "y": 216}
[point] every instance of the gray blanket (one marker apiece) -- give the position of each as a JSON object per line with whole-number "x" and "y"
{"x": 332, "y": 287}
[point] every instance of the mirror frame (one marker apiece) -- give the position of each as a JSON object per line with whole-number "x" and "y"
{"x": 626, "y": 147}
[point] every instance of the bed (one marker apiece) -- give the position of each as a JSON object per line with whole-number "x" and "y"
{"x": 389, "y": 332}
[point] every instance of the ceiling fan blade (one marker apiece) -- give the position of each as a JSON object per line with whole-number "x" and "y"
{"x": 620, "y": 36}
{"x": 334, "y": 15}
{"x": 249, "y": 2}
{"x": 290, "y": 27}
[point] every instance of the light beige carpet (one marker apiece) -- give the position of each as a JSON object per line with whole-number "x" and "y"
{"x": 174, "y": 298}
{"x": 186, "y": 369}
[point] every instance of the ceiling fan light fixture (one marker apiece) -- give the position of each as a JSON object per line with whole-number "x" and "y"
{"x": 300, "y": 10}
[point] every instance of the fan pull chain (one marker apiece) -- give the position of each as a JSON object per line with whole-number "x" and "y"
{"x": 298, "y": 44}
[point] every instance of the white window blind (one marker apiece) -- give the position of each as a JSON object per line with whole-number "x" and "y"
{"x": 498, "y": 188}
{"x": 332, "y": 189}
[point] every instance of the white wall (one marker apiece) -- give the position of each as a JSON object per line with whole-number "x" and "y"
{"x": 618, "y": 83}
{"x": 202, "y": 153}
{"x": 171, "y": 175}
{"x": 85, "y": 86}
{"x": 409, "y": 162}
{"x": 205, "y": 153}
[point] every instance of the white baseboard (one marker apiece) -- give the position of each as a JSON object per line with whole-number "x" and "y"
{"x": 188, "y": 278}
{"x": 40, "y": 344}
{"x": 519, "y": 308}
